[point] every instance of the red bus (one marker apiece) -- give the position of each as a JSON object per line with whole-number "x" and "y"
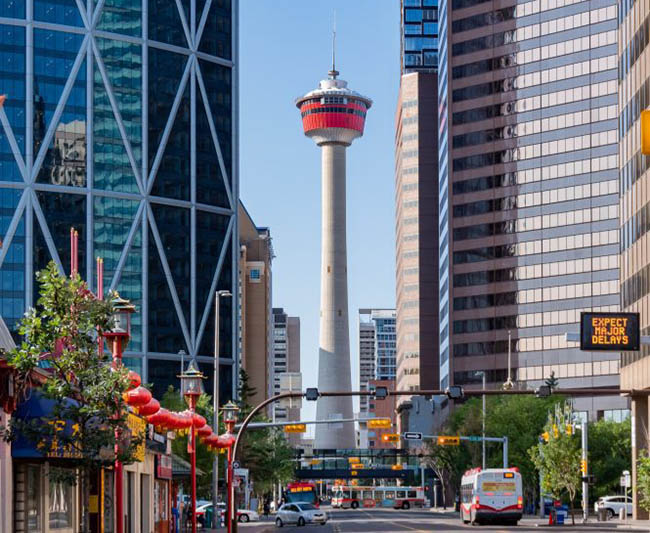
{"x": 301, "y": 492}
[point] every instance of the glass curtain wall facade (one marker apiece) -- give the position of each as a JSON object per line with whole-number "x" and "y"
{"x": 419, "y": 38}
{"x": 531, "y": 108}
{"x": 119, "y": 121}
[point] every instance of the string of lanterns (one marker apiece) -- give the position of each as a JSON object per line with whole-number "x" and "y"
{"x": 141, "y": 400}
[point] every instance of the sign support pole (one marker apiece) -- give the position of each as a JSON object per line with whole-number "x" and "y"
{"x": 585, "y": 482}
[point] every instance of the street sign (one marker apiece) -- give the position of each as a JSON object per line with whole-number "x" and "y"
{"x": 412, "y": 435}
{"x": 380, "y": 423}
{"x": 241, "y": 472}
{"x": 609, "y": 331}
{"x": 235, "y": 465}
{"x": 474, "y": 438}
{"x": 445, "y": 440}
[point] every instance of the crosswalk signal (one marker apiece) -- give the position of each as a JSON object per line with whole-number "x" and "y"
{"x": 390, "y": 437}
{"x": 645, "y": 132}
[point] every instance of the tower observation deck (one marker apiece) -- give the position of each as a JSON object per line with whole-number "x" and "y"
{"x": 333, "y": 116}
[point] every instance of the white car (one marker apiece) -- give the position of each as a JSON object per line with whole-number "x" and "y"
{"x": 300, "y": 514}
{"x": 243, "y": 515}
{"x": 614, "y": 504}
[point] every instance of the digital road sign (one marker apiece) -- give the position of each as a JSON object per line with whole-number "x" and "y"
{"x": 609, "y": 331}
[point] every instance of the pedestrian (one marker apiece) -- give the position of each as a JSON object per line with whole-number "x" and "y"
{"x": 267, "y": 508}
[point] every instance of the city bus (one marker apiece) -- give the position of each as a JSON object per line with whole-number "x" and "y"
{"x": 301, "y": 492}
{"x": 491, "y": 495}
{"x": 352, "y": 497}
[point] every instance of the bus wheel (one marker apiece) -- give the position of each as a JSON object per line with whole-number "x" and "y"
{"x": 406, "y": 505}
{"x": 354, "y": 504}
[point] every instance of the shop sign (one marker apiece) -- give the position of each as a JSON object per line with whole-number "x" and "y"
{"x": 137, "y": 427}
{"x": 163, "y": 467}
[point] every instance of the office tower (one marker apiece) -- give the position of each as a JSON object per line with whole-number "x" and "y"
{"x": 333, "y": 116}
{"x": 120, "y": 121}
{"x": 377, "y": 349}
{"x": 255, "y": 312}
{"x": 528, "y": 174}
{"x": 416, "y": 198}
{"x": 634, "y": 97}
{"x": 286, "y": 358}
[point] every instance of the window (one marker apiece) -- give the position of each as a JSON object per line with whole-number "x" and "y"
{"x": 254, "y": 275}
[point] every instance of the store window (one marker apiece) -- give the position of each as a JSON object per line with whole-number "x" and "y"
{"x": 33, "y": 512}
{"x": 60, "y": 505}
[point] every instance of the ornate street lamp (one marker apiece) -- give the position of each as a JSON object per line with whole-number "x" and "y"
{"x": 118, "y": 337}
{"x": 192, "y": 388}
{"x": 230, "y": 411}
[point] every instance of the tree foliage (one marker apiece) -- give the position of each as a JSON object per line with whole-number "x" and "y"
{"x": 610, "y": 453}
{"x": 559, "y": 458}
{"x": 643, "y": 479}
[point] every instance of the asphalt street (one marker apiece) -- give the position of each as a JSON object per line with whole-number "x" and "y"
{"x": 388, "y": 520}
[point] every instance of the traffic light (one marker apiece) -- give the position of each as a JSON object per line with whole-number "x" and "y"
{"x": 645, "y": 132}
{"x": 448, "y": 440}
{"x": 583, "y": 467}
{"x": 295, "y": 428}
{"x": 455, "y": 392}
{"x": 380, "y": 423}
{"x": 390, "y": 437}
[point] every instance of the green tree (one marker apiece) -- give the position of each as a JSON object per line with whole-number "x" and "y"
{"x": 60, "y": 334}
{"x": 449, "y": 463}
{"x": 559, "y": 458}
{"x": 552, "y": 381}
{"x": 643, "y": 479}
{"x": 609, "y": 454}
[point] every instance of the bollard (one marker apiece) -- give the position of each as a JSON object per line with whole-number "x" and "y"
{"x": 621, "y": 512}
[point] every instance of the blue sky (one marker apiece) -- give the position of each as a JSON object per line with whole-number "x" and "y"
{"x": 285, "y": 49}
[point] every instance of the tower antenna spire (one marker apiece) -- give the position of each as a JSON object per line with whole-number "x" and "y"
{"x": 333, "y": 73}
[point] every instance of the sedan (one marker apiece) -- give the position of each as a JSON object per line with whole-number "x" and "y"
{"x": 243, "y": 515}
{"x": 614, "y": 504}
{"x": 300, "y": 514}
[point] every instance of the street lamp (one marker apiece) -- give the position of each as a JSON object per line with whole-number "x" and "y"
{"x": 192, "y": 388}
{"x": 215, "y": 396}
{"x": 118, "y": 337}
{"x": 230, "y": 411}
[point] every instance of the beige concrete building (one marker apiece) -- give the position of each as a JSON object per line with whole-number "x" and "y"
{"x": 256, "y": 323}
{"x": 633, "y": 97}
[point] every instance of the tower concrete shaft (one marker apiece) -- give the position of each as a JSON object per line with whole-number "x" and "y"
{"x": 334, "y": 347}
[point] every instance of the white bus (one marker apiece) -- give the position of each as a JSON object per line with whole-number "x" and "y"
{"x": 352, "y": 497}
{"x": 491, "y": 495}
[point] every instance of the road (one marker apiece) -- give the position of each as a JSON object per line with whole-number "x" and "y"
{"x": 389, "y": 520}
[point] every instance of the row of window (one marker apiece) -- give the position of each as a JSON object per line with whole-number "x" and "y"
{"x": 334, "y": 100}
{"x": 522, "y": 153}
{"x": 634, "y": 48}
{"x": 532, "y": 127}
{"x": 569, "y": 22}
{"x": 635, "y": 227}
{"x": 527, "y": 296}
{"x": 483, "y": 19}
{"x": 554, "y": 244}
{"x": 568, "y": 370}
{"x": 555, "y": 318}
{"x": 469, "y": 377}
{"x": 632, "y": 110}
{"x": 551, "y": 196}
{"x": 544, "y": 270}
{"x": 346, "y": 110}
{"x": 633, "y": 170}
{"x": 520, "y": 225}
{"x": 635, "y": 287}
{"x": 564, "y": 72}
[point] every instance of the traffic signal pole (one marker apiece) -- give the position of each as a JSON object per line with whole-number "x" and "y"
{"x": 585, "y": 472}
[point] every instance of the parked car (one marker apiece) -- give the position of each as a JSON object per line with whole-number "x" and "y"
{"x": 300, "y": 514}
{"x": 243, "y": 515}
{"x": 614, "y": 504}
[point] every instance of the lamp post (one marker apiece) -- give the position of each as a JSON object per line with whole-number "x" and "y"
{"x": 192, "y": 388}
{"x": 215, "y": 399}
{"x": 230, "y": 411}
{"x": 118, "y": 337}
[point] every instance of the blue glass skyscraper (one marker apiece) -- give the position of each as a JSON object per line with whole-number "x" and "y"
{"x": 119, "y": 121}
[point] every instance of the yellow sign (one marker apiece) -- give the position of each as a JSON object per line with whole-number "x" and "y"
{"x": 448, "y": 440}
{"x": 138, "y": 426}
{"x": 498, "y": 486}
{"x": 390, "y": 437}
{"x": 397, "y": 467}
{"x": 357, "y": 466}
{"x": 353, "y": 472}
{"x": 380, "y": 423}
{"x": 609, "y": 331}
{"x": 314, "y": 462}
{"x": 353, "y": 459}
{"x": 295, "y": 428}
{"x": 645, "y": 132}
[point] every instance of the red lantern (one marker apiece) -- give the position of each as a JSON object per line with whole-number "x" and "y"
{"x": 134, "y": 380}
{"x": 137, "y": 397}
{"x": 226, "y": 440}
{"x": 204, "y": 431}
{"x": 184, "y": 420}
{"x": 150, "y": 408}
{"x": 198, "y": 421}
{"x": 160, "y": 419}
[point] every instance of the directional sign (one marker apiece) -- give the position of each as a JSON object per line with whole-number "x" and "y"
{"x": 236, "y": 465}
{"x": 412, "y": 435}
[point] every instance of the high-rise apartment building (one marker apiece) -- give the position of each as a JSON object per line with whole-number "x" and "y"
{"x": 286, "y": 358}
{"x": 634, "y": 97}
{"x": 377, "y": 348}
{"x": 120, "y": 120}
{"x": 255, "y": 309}
{"x": 416, "y": 199}
{"x": 529, "y": 210}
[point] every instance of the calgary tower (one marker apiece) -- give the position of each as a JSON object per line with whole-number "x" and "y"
{"x": 333, "y": 116}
